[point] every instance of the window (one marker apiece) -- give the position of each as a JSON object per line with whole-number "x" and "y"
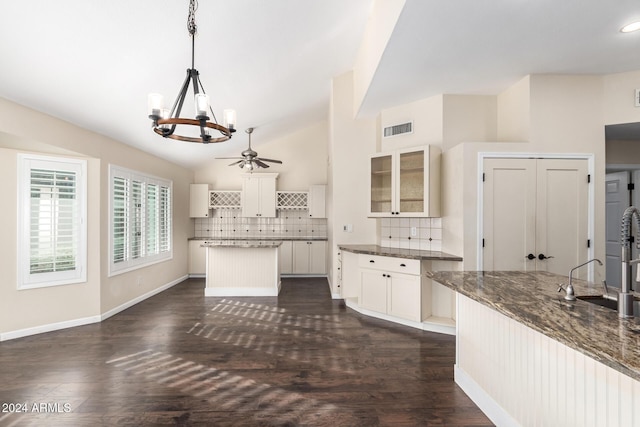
{"x": 52, "y": 242}
{"x": 139, "y": 220}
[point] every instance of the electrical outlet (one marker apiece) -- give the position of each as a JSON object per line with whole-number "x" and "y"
{"x": 139, "y": 280}
{"x": 348, "y": 228}
{"x": 637, "y": 98}
{"x": 414, "y": 231}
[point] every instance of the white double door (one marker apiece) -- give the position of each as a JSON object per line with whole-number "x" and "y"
{"x": 535, "y": 215}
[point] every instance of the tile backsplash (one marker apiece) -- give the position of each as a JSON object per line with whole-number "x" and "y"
{"x": 397, "y": 233}
{"x": 228, "y": 224}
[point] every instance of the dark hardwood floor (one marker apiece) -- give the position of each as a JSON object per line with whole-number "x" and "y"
{"x": 182, "y": 359}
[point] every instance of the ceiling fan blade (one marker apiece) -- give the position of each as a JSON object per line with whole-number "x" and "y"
{"x": 228, "y": 158}
{"x": 235, "y": 163}
{"x": 269, "y": 160}
{"x": 261, "y": 164}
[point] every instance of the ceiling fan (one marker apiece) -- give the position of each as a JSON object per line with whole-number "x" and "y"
{"x": 250, "y": 159}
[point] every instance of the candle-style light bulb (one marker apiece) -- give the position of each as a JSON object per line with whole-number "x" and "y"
{"x": 229, "y": 119}
{"x": 155, "y": 104}
{"x": 202, "y": 105}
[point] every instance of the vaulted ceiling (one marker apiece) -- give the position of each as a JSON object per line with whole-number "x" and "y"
{"x": 93, "y": 63}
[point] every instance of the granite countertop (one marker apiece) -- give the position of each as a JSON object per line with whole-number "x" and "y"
{"x": 531, "y": 298}
{"x": 400, "y": 253}
{"x": 262, "y": 239}
{"x": 242, "y": 243}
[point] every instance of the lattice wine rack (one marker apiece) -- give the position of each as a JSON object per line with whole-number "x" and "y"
{"x": 292, "y": 199}
{"x": 225, "y": 199}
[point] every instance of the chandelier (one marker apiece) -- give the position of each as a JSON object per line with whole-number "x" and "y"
{"x": 165, "y": 122}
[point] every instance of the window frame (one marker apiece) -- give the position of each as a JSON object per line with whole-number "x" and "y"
{"x": 27, "y": 163}
{"x": 143, "y": 259}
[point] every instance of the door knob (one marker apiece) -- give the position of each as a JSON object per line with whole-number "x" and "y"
{"x": 530, "y": 256}
{"x": 543, "y": 257}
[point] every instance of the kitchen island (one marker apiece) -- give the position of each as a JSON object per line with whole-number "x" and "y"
{"x": 526, "y": 356}
{"x": 242, "y": 268}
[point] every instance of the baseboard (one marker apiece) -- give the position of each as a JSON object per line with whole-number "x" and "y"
{"x": 490, "y": 407}
{"x": 141, "y": 298}
{"x": 241, "y": 292}
{"x": 50, "y": 327}
{"x": 20, "y": 333}
{"x": 302, "y": 275}
{"x": 197, "y": 276}
{"x": 425, "y": 326}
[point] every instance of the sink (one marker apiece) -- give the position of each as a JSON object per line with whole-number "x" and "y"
{"x": 600, "y": 300}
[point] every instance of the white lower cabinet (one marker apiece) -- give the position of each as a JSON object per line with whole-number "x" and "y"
{"x": 395, "y": 289}
{"x": 310, "y": 257}
{"x": 390, "y": 290}
{"x": 303, "y": 257}
{"x": 197, "y": 258}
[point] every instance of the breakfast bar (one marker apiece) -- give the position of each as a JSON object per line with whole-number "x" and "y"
{"x": 527, "y": 356}
{"x": 242, "y": 268}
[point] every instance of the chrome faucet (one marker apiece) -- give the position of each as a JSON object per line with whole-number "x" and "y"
{"x": 571, "y": 295}
{"x": 625, "y": 297}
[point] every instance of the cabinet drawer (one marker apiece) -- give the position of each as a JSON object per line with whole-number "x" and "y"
{"x": 391, "y": 264}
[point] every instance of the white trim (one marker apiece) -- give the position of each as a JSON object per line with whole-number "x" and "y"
{"x": 197, "y": 276}
{"x": 425, "y": 326}
{"x": 20, "y": 333}
{"x": 242, "y": 292}
{"x": 303, "y": 275}
{"x": 490, "y": 407}
{"x": 50, "y": 327}
{"x": 26, "y": 162}
{"x": 482, "y": 155}
{"x": 141, "y": 298}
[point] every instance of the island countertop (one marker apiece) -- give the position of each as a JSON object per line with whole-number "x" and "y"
{"x": 400, "y": 253}
{"x": 531, "y": 298}
{"x": 241, "y": 243}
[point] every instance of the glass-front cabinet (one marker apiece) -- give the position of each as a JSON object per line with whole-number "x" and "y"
{"x": 405, "y": 183}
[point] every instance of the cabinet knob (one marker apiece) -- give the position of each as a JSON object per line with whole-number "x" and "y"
{"x": 372, "y": 261}
{"x": 402, "y": 265}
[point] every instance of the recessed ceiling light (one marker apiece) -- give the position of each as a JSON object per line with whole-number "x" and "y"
{"x": 634, "y": 26}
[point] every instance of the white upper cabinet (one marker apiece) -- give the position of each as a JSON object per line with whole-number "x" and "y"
{"x": 259, "y": 195}
{"x": 405, "y": 183}
{"x": 317, "y": 201}
{"x": 199, "y": 200}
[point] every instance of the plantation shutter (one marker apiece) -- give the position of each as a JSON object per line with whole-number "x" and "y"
{"x": 52, "y": 233}
{"x": 140, "y": 220}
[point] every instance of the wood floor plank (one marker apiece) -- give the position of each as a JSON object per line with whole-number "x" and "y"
{"x": 181, "y": 359}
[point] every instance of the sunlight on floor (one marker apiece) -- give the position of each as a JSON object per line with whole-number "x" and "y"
{"x": 229, "y": 392}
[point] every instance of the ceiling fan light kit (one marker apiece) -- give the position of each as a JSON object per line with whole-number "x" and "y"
{"x": 250, "y": 160}
{"x": 165, "y": 121}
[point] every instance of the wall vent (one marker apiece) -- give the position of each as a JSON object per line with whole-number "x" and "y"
{"x": 395, "y": 130}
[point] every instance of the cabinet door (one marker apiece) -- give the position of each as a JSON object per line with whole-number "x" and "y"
{"x": 285, "y": 257}
{"x": 199, "y": 200}
{"x": 381, "y": 185}
{"x": 197, "y": 258}
{"x": 268, "y": 197}
{"x": 301, "y": 257}
{"x": 417, "y": 177}
{"x": 318, "y": 257}
{"x": 317, "y": 201}
{"x": 259, "y": 195}
{"x": 405, "y": 296}
{"x": 373, "y": 295}
{"x": 250, "y": 197}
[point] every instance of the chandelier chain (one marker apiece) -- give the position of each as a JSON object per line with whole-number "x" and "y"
{"x": 191, "y": 20}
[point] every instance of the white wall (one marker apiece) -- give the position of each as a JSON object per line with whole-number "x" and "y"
{"x": 27, "y": 129}
{"x": 351, "y": 143}
{"x": 619, "y": 94}
{"x": 303, "y": 154}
